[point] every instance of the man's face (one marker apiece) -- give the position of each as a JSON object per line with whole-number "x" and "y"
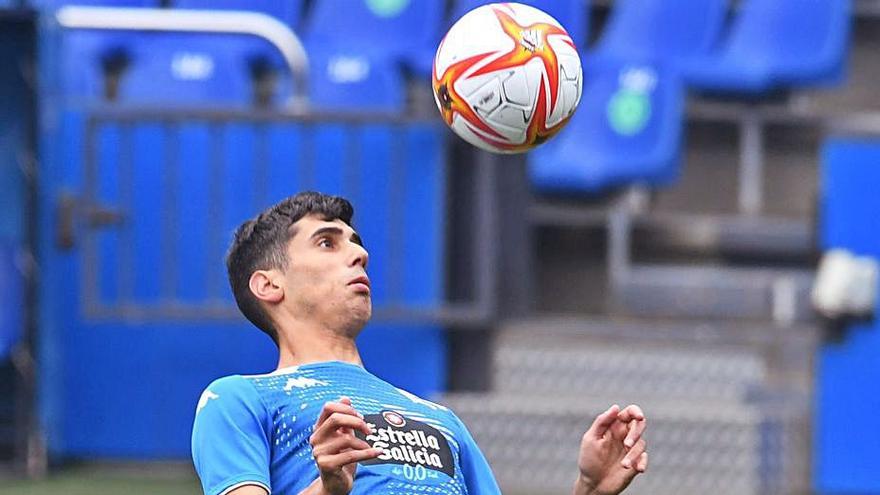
{"x": 326, "y": 279}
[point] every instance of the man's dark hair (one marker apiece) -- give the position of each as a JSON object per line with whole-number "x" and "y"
{"x": 261, "y": 244}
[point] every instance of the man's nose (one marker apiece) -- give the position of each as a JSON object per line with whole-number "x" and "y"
{"x": 361, "y": 256}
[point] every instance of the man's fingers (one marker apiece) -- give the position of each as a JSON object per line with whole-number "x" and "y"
{"x": 636, "y": 428}
{"x": 338, "y": 445}
{"x": 634, "y": 418}
{"x": 642, "y": 465}
{"x": 630, "y": 413}
{"x": 604, "y": 421}
{"x": 632, "y": 457}
{"x": 337, "y": 421}
{"x": 332, "y": 462}
{"x": 343, "y": 406}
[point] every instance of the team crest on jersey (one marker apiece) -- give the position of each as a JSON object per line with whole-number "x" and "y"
{"x": 394, "y": 419}
{"x": 408, "y": 442}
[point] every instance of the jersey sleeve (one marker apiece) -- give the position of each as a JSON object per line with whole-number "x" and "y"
{"x": 230, "y": 439}
{"x": 477, "y": 474}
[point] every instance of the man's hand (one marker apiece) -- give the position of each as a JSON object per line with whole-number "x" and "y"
{"x": 612, "y": 452}
{"x": 336, "y": 449}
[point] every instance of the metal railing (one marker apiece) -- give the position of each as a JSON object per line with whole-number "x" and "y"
{"x": 200, "y": 21}
{"x": 82, "y": 219}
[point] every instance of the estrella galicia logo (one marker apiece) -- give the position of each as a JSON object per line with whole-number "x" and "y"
{"x": 409, "y": 442}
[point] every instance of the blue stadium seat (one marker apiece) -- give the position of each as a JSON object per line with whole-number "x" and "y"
{"x": 662, "y": 29}
{"x": 775, "y": 44}
{"x": 85, "y": 56}
{"x": 627, "y": 129}
{"x": 342, "y": 80}
{"x": 191, "y": 68}
{"x": 572, "y": 14}
{"x": 407, "y": 30}
{"x": 11, "y": 300}
{"x": 286, "y": 11}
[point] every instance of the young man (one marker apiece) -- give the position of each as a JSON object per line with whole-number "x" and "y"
{"x": 323, "y": 425}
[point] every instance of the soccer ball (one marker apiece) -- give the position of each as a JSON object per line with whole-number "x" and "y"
{"x": 507, "y": 77}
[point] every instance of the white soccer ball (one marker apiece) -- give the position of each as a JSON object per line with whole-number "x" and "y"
{"x": 507, "y": 77}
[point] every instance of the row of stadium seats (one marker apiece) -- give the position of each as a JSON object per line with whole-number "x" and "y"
{"x": 767, "y": 45}
{"x": 629, "y": 125}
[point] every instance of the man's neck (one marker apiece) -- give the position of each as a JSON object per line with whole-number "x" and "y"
{"x": 310, "y": 345}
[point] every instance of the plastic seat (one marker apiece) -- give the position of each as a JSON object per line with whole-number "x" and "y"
{"x": 572, "y": 14}
{"x": 86, "y": 57}
{"x": 191, "y": 69}
{"x": 626, "y": 130}
{"x": 776, "y": 44}
{"x": 342, "y": 80}
{"x": 407, "y": 32}
{"x": 155, "y": 68}
{"x": 668, "y": 30}
{"x": 286, "y": 11}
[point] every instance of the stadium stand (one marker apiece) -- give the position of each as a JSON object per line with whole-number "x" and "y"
{"x": 627, "y": 130}
{"x": 777, "y": 44}
{"x": 93, "y": 64}
{"x": 187, "y": 69}
{"x": 232, "y": 168}
{"x": 407, "y": 32}
{"x": 265, "y": 65}
{"x": 343, "y": 80}
{"x": 700, "y": 316}
{"x": 663, "y": 30}
{"x": 193, "y": 69}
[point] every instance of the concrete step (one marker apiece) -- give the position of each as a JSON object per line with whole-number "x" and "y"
{"x": 531, "y": 442}
{"x": 709, "y": 292}
{"x": 709, "y": 360}
{"x": 584, "y": 367}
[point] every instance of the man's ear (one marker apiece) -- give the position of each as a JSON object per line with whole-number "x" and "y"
{"x": 266, "y": 286}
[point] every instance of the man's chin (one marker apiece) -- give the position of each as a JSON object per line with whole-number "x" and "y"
{"x": 359, "y": 318}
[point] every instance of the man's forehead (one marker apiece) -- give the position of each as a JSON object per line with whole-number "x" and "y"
{"x": 312, "y": 223}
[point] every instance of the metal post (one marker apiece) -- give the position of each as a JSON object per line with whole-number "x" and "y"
{"x": 619, "y": 233}
{"x": 485, "y": 236}
{"x": 751, "y": 164}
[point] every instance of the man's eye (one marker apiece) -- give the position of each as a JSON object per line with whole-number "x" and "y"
{"x": 325, "y": 242}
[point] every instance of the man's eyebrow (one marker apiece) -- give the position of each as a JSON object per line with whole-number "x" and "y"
{"x": 336, "y": 231}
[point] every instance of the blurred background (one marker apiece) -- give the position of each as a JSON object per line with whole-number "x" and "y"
{"x": 701, "y": 239}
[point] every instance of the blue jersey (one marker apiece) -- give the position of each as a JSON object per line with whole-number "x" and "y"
{"x": 254, "y": 430}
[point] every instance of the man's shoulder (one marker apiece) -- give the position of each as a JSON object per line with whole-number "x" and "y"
{"x": 230, "y": 384}
{"x": 230, "y": 388}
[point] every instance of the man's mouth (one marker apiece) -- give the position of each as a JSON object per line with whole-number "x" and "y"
{"x": 361, "y": 284}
